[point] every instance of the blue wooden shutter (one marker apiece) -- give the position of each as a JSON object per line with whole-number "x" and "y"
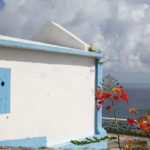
{"x": 4, "y": 90}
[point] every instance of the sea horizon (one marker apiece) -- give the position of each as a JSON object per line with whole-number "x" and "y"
{"x": 139, "y": 98}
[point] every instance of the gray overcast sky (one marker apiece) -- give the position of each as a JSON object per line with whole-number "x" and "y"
{"x": 121, "y": 28}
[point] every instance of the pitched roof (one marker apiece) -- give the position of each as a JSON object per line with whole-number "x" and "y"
{"x": 52, "y": 33}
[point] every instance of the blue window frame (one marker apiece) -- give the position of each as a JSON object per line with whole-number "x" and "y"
{"x": 4, "y": 90}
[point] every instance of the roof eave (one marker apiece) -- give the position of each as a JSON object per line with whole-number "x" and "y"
{"x": 47, "y": 48}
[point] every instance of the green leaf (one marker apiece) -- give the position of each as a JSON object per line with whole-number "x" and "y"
{"x": 90, "y": 140}
{"x": 106, "y": 138}
{"x": 113, "y": 138}
{"x": 97, "y": 140}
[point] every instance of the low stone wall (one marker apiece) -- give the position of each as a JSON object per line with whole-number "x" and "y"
{"x": 109, "y": 125}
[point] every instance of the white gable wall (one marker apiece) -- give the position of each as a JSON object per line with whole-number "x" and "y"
{"x": 53, "y": 33}
{"x": 51, "y": 95}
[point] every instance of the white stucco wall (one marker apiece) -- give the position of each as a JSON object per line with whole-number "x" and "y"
{"x": 51, "y": 95}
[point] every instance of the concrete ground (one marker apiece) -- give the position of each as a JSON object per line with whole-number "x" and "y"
{"x": 111, "y": 145}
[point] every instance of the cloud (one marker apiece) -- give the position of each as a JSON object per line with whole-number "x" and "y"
{"x": 2, "y": 4}
{"x": 120, "y": 28}
{"x": 22, "y": 18}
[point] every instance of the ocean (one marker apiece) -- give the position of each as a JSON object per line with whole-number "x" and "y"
{"x": 139, "y": 98}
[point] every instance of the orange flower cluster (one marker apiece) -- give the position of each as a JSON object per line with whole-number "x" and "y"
{"x": 119, "y": 91}
{"x": 124, "y": 95}
{"x": 99, "y": 91}
{"x": 147, "y": 117}
{"x": 132, "y": 110}
{"x": 141, "y": 146}
{"x": 143, "y": 125}
{"x": 130, "y": 121}
{"x": 100, "y": 96}
{"x": 107, "y": 95}
{"x": 98, "y": 107}
{"x": 128, "y": 147}
{"x": 116, "y": 97}
{"x": 101, "y": 101}
{"x": 108, "y": 107}
{"x": 129, "y": 141}
{"x": 116, "y": 90}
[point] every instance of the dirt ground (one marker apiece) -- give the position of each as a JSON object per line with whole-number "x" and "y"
{"x": 124, "y": 138}
{"x": 111, "y": 145}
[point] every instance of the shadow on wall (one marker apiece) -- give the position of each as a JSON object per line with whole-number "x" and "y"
{"x": 26, "y": 55}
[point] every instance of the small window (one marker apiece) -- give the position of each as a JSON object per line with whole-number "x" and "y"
{"x": 4, "y": 90}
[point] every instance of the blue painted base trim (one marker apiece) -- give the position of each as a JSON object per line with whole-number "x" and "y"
{"x": 29, "y": 142}
{"x": 101, "y": 145}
